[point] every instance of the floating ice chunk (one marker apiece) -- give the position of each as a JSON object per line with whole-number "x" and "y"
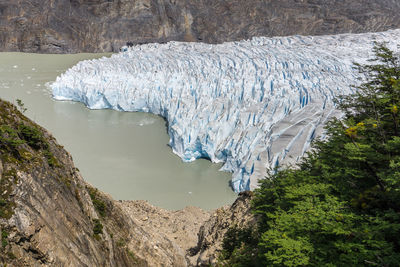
{"x": 253, "y": 104}
{"x": 145, "y": 122}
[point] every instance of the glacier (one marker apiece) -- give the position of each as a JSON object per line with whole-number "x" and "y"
{"x": 252, "y": 104}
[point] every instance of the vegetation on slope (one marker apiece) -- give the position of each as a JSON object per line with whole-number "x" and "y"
{"x": 39, "y": 183}
{"x": 23, "y": 146}
{"x": 341, "y": 205}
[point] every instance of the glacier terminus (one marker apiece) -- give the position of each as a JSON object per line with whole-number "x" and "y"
{"x": 252, "y": 104}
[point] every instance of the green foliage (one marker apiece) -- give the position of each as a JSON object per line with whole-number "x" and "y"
{"x": 8, "y": 179}
{"x": 18, "y": 137}
{"x": 341, "y": 205}
{"x": 9, "y": 138}
{"x": 234, "y": 246}
{"x": 132, "y": 256}
{"x": 235, "y": 237}
{"x": 21, "y": 106}
{"x": 97, "y": 227}
{"x": 51, "y": 160}
{"x": 121, "y": 242}
{"x": 4, "y": 209}
{"x": 33, "y": 136}
{"x": 98, "y": 204}
{"x": 4, "y": 236}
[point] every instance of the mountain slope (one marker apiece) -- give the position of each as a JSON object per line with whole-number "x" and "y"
{"x": 60, "y": 26}
{"x": 49, "y": 216}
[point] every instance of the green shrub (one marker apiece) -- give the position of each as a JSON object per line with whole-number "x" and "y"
{"x": 132, "y": 256}
{"x": 9, "y": 138}
{"x": 4, "y": 208}
{"x": 51, "y": 160}
{"x": 21, "y": 106}
{"x": 97, "y": 227}
{"x": 33, "y": 136}
{"x": 235, "y": 237}
{"x": 4, "y": 235}
{"x": 98, "y": 204}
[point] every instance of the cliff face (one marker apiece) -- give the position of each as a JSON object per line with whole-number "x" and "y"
{"x": 61, "y": 26}
{"x": 49, "y": 216}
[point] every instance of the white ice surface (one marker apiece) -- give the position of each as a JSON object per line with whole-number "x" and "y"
{"x": 251, "y": 104}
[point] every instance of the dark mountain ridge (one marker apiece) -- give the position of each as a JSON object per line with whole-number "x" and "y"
{"x": 68, "y": 26}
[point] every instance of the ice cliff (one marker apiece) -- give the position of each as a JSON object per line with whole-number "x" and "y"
{"x": 251, "y": 104}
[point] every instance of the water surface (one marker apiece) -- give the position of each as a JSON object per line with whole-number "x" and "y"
{"x": 122, "y": 153}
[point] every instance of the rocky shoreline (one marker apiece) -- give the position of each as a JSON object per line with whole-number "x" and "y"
{"x": 50, "y": 216}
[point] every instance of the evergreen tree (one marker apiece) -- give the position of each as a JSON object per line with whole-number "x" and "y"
{"x": 341, "y": 205}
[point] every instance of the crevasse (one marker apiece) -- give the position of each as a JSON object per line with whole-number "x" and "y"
{"x": 251, "y": 104}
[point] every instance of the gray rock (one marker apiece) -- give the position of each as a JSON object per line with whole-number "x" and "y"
{"x": 212, "y": 232}
{"x": 64, "y": 26}
{"x": 49, "y": 215}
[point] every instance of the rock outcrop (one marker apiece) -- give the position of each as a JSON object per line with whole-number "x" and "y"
{"x": 212, "y": 232}
{"x": 64, "y": 26}
{"x": 49, "y": 216}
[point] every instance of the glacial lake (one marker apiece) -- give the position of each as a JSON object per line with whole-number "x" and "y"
{"x": 124, "y": 154}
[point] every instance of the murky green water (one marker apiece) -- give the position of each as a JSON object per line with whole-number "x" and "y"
{"x": 122, "y": 153}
